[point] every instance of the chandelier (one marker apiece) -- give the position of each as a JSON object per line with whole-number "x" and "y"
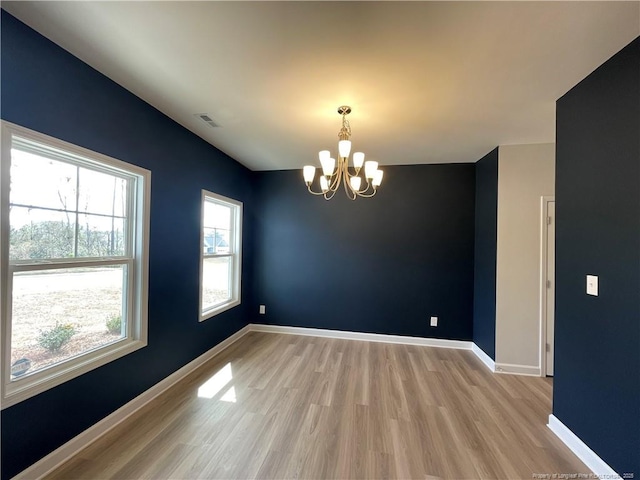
{"x": 356, "y": 183}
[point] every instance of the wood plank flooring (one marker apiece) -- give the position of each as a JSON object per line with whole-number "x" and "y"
{"x": 284, "y": 406}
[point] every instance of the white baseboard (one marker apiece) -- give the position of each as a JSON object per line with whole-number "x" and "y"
{"x": 512, "y": 369}
{"x": 486, "y": 359}
{"x": 368, "y": 337}
{"x": 56, "y": 458}
{"x": 582, "y": 451}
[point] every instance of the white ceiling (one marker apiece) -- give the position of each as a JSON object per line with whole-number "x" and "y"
{"x": 429, "y": 82}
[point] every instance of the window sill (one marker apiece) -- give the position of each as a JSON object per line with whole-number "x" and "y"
{"x": 218, "y": 309}
{"x": 38, "y": 382}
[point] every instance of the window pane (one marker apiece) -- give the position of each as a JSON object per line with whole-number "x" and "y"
{"x": 37, "y": 234}
{"x": 59, "y": 314}
{"x": 216, "y": 284}
{"x": 38, "y": 181}
{"x": 102, "y": 193}
{"x": 216, "y": 240}
{"x": 100, "y": 236}
{"x": 217, "y": 216}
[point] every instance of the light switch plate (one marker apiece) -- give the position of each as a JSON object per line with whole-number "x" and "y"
{"x": 592, "y": 285}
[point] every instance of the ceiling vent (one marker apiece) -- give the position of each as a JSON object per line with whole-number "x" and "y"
{"x": 206, "y": 118}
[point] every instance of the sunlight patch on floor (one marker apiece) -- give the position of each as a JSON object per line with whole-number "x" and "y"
{"x": 217, "y": 382}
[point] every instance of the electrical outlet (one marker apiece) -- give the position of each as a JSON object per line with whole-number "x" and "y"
{"x": 434, "y": 321}
{"x": 263, "y": 309}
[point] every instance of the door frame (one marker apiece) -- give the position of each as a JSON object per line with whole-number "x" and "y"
{"x": 544, "y": 230}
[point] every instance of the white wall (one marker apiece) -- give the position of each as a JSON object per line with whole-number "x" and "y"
{"x": 525, "y": 173}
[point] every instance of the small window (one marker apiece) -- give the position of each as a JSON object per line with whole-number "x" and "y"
{"x": 74, "y": 261}
{"x": 220, "y": 254}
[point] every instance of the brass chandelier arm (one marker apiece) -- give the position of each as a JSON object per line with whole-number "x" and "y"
{"x": 363, "y": 192}
{"x": 348, "y": 190}
{"x": 356, "y": 171}
{"x": 329, "y": 195}
{"x": 312, "y": 192}
{"x": 368, "y": 195}
{"x": 335, "y": 178}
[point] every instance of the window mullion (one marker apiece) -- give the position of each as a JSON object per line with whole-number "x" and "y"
{"x": 31, "y": 267}
{"x": 217, "y": 255}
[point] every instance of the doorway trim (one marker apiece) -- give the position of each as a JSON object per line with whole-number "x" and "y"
{"x": 544, "y": 228}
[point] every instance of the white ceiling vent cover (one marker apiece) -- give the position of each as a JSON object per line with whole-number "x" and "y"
{"x": 206, "y": 118}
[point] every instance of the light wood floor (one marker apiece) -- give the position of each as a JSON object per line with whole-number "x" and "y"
{"x": 305, "y": 407}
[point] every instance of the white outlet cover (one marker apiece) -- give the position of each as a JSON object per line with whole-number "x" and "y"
{"x": 592, "y": 285}
{"x": 434, "y": 321}
{"x": 263, "y": 309}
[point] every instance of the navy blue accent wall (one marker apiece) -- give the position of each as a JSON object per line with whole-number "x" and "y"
{"x": 48, "y": 90}
{"x": 486, "y": 242}
{"x": 597, "y": 339}
{"x": 380, "y": 265}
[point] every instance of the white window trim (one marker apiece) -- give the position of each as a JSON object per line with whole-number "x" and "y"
{"x": 237, "y": 255}
{"x": 18, "y": 390}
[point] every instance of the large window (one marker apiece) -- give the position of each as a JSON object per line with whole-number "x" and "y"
{"x": 73, "y": 242}
{"x": 220, "y": 254}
